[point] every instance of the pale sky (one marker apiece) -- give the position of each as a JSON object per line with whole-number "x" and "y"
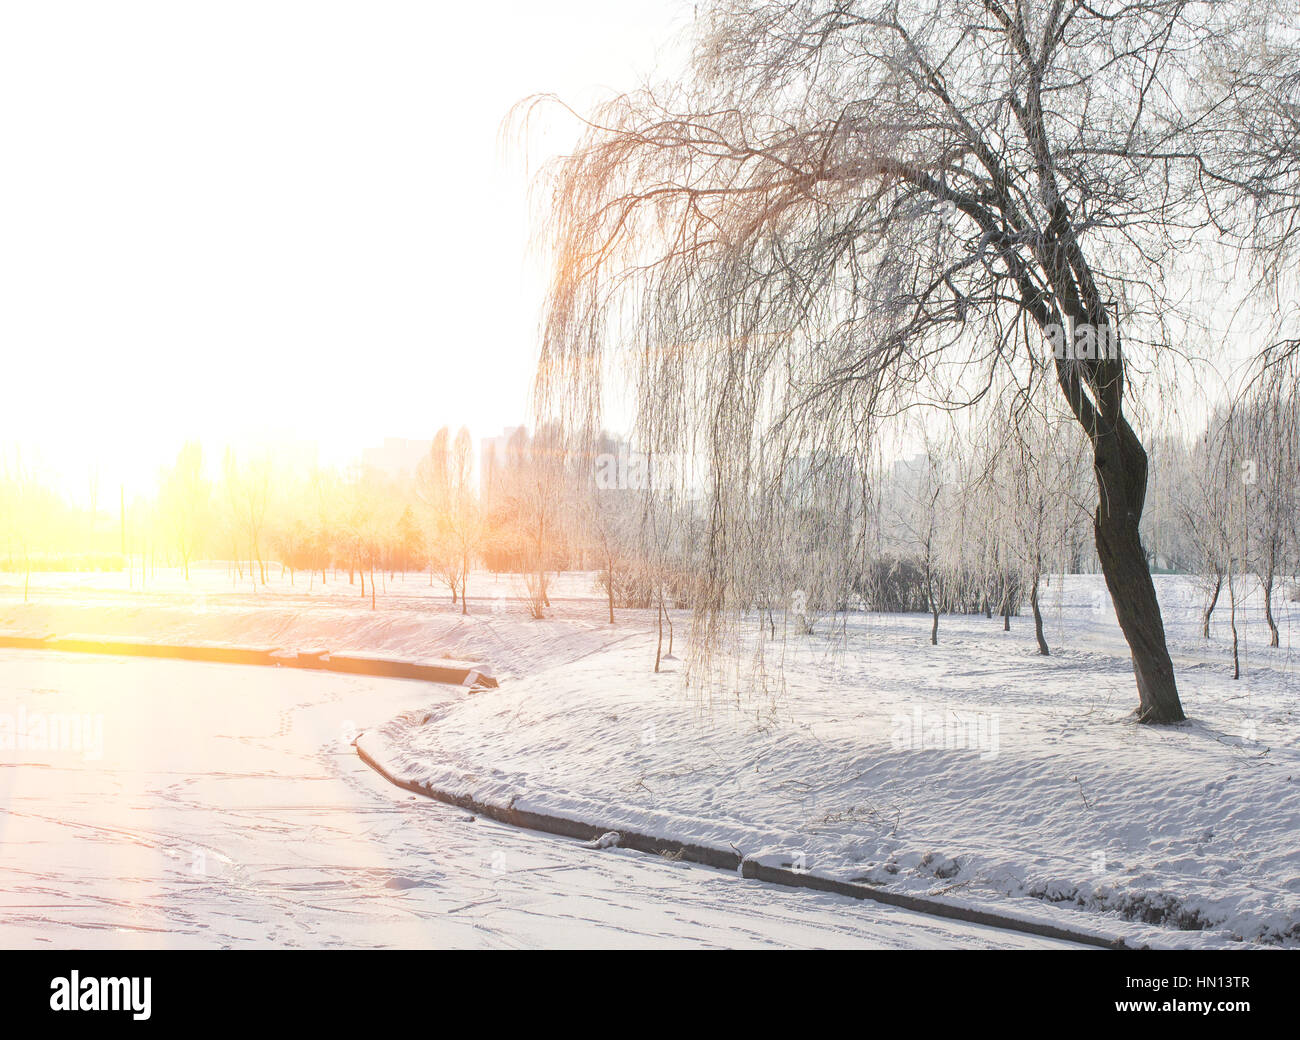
{"x": 277, "y": 220}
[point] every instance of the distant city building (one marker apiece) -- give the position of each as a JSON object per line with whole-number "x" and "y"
{"x": 397, "y": 456}
{"x": 492, "y": 454}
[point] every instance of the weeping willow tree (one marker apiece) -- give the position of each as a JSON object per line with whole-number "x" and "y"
{"x": 1247, "y": 104}
{"x": 1247, "y": 107}
{"x": 1262, "y": 435}
{"x": 850, "y": 209}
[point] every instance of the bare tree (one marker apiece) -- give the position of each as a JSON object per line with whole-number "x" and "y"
{"x": 25, "y": 509}
{"x": 464, "y": 515}
{"x": 322, "y": 521}
{"x": 1037, "y": 470}
{"x": 361, "y": 524}
{"x": 927, "y": 502}
{"x": 434, "y": 491}
{"x": 610, "y": 518}
{"x": 538, "y": 492}
{"x": 1246, "y": 100}
{"x": 1266, "y": 430}
{"x": 841, "y": 197}
{"x": 1202, "y": 503}
{"x": 185, "y": 497}
{"x": 247, "y": 491}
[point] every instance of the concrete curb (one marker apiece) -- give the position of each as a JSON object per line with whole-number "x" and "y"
{"x": 730, "y": 859}
{"x": 438, "y": 670}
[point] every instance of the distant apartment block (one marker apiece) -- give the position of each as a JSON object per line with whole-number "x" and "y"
{"x": 492, "y": 453}
{"x": 397, "y": 456}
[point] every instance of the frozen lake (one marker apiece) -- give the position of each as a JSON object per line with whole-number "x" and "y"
{"x": 175, "y": 804}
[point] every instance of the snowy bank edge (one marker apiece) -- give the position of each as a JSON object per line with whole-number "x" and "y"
{"x": 457, "y": 790}
{"x": 456, "y": 673}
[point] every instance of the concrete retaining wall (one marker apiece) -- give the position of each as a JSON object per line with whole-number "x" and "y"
{"x": 439, "y": 670}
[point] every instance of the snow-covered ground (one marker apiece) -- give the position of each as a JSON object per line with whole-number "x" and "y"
{"x": 205, "y": 805}
{"x": 975, "y": 769}
{"x": 410, "y": 620}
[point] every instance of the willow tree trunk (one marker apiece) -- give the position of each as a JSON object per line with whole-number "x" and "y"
{"x": 609, "y": 585}
{"x": 1232, "y": 618}
{"x": 1209, "y": 607}
{"x": 1120, "y": 464}
{"x": 1038, "y": 619}
{"x": 659, "y": 649}
{"x": 933, "y": 604}
{"x": 1266, "y": 581}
